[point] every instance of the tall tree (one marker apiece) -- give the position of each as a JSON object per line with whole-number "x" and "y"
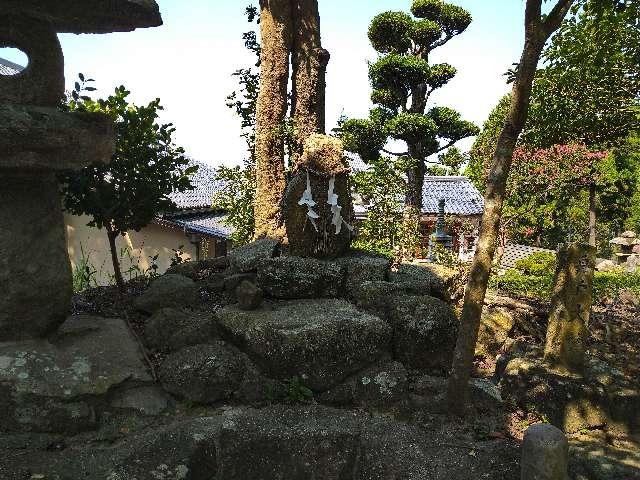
{"x": 290, "y": 29}
{"x": 309, "y": 61}
{"x": 127, "y": 193}
{"x": 538, "y": 29}
{"x": 403, "y": 81}
{"x": 276, "y": 32}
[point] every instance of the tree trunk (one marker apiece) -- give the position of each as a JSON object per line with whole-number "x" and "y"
{"x": 592, "y": 214}
{"x": 111, "y": 235}
{"x": 537, "y": 31}
{"x": 309, "y": 63}
{"x": 277, "y": 33}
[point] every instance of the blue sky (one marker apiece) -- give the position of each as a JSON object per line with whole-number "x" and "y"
{"x": 188, "y": 62}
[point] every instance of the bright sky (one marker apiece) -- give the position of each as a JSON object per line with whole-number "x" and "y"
{"x": 188, "y": 63}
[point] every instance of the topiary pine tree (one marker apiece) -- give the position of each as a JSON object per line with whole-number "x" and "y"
{"x": 403, "y": 80}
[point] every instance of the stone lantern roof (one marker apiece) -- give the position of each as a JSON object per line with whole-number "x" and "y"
{"x": 627, "y": 239}
{"x": 88, "y": 16}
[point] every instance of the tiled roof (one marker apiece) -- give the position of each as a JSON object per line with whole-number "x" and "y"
{"x": 460, "y": 195}
{"x": 205, "y": 186}
{"x": 211, "y": 224}
{"x": 9, "y": 68}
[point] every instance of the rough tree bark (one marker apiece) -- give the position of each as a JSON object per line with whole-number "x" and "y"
{"x": 537, "y": 32}
{"x": 592, "y": 214}
{"x": 276, "y": 29}
{"x": 309, "y": 62}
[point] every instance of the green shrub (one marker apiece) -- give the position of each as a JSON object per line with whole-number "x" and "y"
{"x": 516, "y": 283}
{"x": 540, "y": 286}
{"x": 538, "y": 264}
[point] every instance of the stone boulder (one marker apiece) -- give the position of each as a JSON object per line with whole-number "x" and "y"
{"x": 147, "y": 399}
{"x": 170, "y": 329}
{"x": 382, "y": 386}
{"x": 297, "y": 277}
{"x": 603, "y": 397}
{"x": 168, "y": 291}
{"x": 632, "y": 264}
{"x": 248, "y": 257}
{"x": 249, "y": 296}
{"x": 427, "y": 279}
{"x": 203, "y": 373}
{"x": 320, "y": 341}
{"x": 317, "y": 206}
{"x": 54, "y": 385}
{"x": 268, "y": 444}
{"x": 360, "y": 267}
{"x": 424, "y": 331}
{"x": 495, "y": 326}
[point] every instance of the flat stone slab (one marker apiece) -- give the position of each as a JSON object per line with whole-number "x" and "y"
{"x": 42, "y": 138}
{"x": 321, "y": 341}
{"x": 88, "y": 357}
{"x": 89, "y": 16}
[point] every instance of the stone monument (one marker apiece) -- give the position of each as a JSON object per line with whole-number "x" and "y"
{"x": 318, "y": 210}
{"x": 570, "y": 307}
{"x": 37, "y": 140}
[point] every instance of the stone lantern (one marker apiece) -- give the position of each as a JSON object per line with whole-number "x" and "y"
{"x": 37, "y": 140}
{"x": 626, "y": 243}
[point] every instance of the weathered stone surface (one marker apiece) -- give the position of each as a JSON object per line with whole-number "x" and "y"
{"x": 545, "y": 453}
{"x": 297, "y": 277}
{"x": 171, "y": 329}
{"x": 148, "y": 399}
{"x": 247, "y": 257}
{"x": 321, "y": 341}
{"x": 94, "y": 16}
{"x": 231, "y": 282}
{"x": 168, "y": 291}
{"x": 495, "y": 326}
{"x": 606, "y": 266}
{"x": 249, "y": 296}
{"x": 268, "y": 444}
{"x": 36, "y": 282}
{"x": 425, "y": 279}
{"x": 88, "y": 357}
{"x": 570, "y": 307}
{"x": 601, "y": 398}
{"x": 42, "y": 83}
{"x": 363, "y": 267}
{"x": 632, "y": 264}
{"x": 202, "y": 373}
{"x": 381, "y": 386}
{"x": 429, "y": 393}
{"x": 424, "y": 331}
{"x": 322, "y": 171}
{"x": 39, "y": 138}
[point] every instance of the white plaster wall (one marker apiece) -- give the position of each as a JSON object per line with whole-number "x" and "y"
{"x": 142, "y": 245}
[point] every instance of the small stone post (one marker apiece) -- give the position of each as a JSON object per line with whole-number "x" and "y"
{"x": 570, "y": 307}
{"x": 37, "y": 140}
{"x": 318, "y": 210}
{"x": 545, "y": 453}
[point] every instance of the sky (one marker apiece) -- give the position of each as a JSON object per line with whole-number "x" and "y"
{"x": 188, "y": 63}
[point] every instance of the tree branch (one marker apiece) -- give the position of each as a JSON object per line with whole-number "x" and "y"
{"x": 395, "y": 154}
{"x": 555, "y": 17}
{"x": 533, "y": 13}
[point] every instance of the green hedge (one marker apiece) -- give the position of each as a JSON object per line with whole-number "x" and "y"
{"x": 605, "y": 284}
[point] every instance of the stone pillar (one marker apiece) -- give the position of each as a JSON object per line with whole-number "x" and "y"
{"x": 36, "y": 141}
{"x": 570, "y": 307}
{"x": 545, "y": 453}
{"x": 317, "y": 210}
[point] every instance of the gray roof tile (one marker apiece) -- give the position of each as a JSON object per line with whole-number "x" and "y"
{"x": 204, "y": 223}
{"x": 9, "y": 68}
{"x": 205, "y": 186}
{"x": 460, "y": 195}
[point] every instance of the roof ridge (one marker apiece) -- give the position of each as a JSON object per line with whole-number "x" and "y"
{"x": 10, "y": 64}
